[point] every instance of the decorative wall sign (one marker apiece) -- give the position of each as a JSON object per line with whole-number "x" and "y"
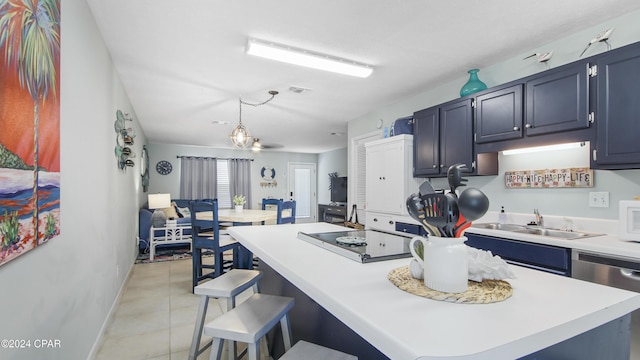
{"x": 144, "y": 168}
{"x": 268, "y": 174}
{"x": 549, "y": 178}
{"x": 30, "y": 123}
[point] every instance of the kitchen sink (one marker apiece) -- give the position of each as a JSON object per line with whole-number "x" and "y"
{"x": 567, "y": 235}
{"x": 498, "y": 226}
{"x": 547, "y": 232}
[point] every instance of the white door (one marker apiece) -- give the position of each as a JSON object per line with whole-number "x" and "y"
{"x": 302, "y": 189}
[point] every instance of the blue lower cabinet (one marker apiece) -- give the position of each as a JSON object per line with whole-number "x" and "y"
{"x": 552, "y": 259}
{"x": 410, "y": 229}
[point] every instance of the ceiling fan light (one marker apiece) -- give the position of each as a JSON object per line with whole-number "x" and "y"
{"x": 240, "y": 136}
{"x": 307, "y": 58}
{"x": 256, "y": 146}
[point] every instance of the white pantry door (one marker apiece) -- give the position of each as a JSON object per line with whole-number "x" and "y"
{"x": 302, "y": 189}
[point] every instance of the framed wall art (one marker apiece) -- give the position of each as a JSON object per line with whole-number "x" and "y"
{"x": 30, "y": 123}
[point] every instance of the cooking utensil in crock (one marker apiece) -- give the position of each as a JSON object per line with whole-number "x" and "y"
{"x": 453, "y": 214}
{"x": 473, "y": 204}
{"x": 426, "y": 188}
{"x": 461, "y": 226}
{"x": 454, "y": 176}
{"x": 436, "y": 211}
{"x": 415, "y": 208}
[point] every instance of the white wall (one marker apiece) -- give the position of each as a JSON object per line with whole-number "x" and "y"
{"x": 65, "y": 289}
{"x": 274, "y": 159}
{"x": 565, "y": 202}
{"x": 329, "y": 162}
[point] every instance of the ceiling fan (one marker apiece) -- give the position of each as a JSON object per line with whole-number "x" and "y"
{"x": 257, "y": 145}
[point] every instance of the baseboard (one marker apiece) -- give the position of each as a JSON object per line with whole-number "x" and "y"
{"x": 109, "y": 319}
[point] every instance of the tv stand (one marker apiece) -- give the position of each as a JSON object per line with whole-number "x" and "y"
{"x": 332, "y": 213}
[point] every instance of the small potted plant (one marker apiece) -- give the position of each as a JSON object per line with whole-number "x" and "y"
{"x": 239, "y": 201}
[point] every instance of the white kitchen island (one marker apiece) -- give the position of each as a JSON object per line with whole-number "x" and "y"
{"x": 544, "y": 310}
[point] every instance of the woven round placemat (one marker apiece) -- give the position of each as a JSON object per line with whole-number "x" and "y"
{"x": 487, "y": 291}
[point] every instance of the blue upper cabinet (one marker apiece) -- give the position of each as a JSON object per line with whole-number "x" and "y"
{"x": 595, "y": 99}
{"x": 545, "y": 108}
{"x": 558, "y": 100}
{"x": 499, "y": 114}
{"x": 443, "y": 136}
{"x": 618, "y": 109}
{"x": 426, "y": 142}
{"x": 456, "y": 135}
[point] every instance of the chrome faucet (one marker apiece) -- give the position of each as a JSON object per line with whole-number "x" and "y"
{"x": 539, "y": 218}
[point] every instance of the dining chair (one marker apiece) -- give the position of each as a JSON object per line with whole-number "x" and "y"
{"x": 282, "y": 207}
{"x": 205, "y": 235}
{"x": 288, "y": 208}
{"x": 273, "y": 202}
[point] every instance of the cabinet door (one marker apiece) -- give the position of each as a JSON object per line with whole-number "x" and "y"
{"x": 499, "y": 115}
{"x": 558, "y": 100}
{"x": 385, "y": 174}
{"x": 547, "y": 258}
{"x": 426, "y": 142}
{"x": 456, "y": 134}
{"x": 618, "y": 108}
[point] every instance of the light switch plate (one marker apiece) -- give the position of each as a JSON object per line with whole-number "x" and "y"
{"x": 599, "y": 199}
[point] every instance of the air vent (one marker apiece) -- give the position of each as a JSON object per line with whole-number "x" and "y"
{"x": 298, "y": 90}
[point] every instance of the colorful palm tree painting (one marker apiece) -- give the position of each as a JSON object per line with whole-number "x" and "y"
{"x": 30, "y": 125}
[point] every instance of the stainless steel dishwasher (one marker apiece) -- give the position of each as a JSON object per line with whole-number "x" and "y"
{"x": 615, "y": 271}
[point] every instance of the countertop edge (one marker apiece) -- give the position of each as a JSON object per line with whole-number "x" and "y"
{"x": 278, "y": 258}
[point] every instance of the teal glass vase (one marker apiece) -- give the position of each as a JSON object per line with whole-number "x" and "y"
{"x": 473, "y": 85}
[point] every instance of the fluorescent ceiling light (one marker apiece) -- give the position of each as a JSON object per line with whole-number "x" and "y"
{"x": 544, "y": 148}
{"x": 307, "y": 58}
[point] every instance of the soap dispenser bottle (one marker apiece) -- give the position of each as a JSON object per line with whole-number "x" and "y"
{"x": 502, "y": 216}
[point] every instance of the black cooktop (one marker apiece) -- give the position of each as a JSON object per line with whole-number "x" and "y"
{"x": 361, "y": 245}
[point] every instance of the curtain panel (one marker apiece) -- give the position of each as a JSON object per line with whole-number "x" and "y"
{"x": 240, "y": 179}
{"x": 198, "y": 178}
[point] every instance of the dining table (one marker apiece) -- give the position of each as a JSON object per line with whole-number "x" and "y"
{"x": 246, "y": 217}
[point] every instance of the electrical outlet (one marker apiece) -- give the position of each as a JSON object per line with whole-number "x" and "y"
{"x": 599, "y": 199}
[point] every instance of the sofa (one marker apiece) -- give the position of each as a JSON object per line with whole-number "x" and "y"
{"x": 181, "y": 208}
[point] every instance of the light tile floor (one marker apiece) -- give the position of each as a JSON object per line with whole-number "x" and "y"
{"x": 156, "y": 315}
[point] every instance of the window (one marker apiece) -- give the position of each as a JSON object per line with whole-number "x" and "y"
{"x": 208, "y": 178}
{"x": 223, "y": 189}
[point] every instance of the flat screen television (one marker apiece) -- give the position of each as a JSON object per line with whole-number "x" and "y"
{"x": 339, "y": 189}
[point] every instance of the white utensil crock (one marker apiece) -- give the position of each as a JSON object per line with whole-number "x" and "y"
{"x": 445, "y": 262}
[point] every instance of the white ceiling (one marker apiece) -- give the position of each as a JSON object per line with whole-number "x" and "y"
{"x": 183, "y": 64}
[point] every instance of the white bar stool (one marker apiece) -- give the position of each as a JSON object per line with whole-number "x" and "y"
{"x": 249, "y": 322}
{"x": 303, "y": 350}
{"x": 228, "y": 286}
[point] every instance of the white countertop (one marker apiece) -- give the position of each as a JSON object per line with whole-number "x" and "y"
{"x": 545, "y": 309}
{"x": 608, "y": 244}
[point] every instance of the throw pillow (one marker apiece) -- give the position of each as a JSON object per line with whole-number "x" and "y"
{"x": 184, "y": 212}
{"x": 170, "y": 212}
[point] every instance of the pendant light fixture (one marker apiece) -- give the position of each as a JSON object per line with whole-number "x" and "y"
{"x": 240, "y": 136}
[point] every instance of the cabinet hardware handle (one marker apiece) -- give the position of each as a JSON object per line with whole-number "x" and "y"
{"x": 634, "y": 274}
{"x": 390, "y": 222}
{"x": 434, "y": 166}
{"x": 441, "y": 165}
{"x": 515, "y": 128}
{"x": 528, "y": 126}
{"x": 375, "y": 219}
